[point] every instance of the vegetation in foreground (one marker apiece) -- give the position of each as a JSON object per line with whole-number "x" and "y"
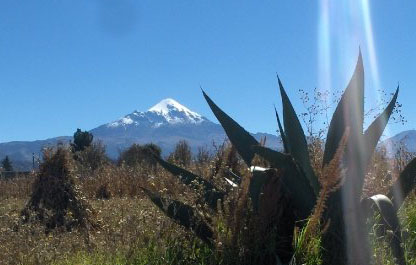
{"x": 287, "y": 209}
{"x": 133, "y": 231}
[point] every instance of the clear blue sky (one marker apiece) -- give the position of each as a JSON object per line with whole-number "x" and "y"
{"x": 68, "y": 64}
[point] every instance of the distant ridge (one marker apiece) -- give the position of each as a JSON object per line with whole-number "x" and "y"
{"x": 405, "y": 139}
{"x": 164, "y": 124}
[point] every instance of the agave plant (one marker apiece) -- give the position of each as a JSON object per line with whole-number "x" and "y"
{"x": 345, "y": 241}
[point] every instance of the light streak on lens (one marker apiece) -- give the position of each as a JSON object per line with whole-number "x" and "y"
{"x": 343, "y": 26}
{"x": 324, "y": 47}
{"x": 368, "y": 28}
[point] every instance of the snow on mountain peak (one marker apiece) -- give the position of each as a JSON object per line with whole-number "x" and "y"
{"x": 167, "y": 111}
{"x": 166, "y": 105}
{"x": 174, "y": 112}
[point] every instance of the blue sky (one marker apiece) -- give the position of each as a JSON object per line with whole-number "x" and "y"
{"x": 79, "y": 64}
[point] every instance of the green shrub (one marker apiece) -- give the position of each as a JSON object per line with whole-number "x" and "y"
{"x": 82, "y": 139}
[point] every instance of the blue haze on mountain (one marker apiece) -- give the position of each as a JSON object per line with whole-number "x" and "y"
{"x": 164, "y": 124}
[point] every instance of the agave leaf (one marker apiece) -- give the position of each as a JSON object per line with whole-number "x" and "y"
{"x": 184, "y": 215}
{"x": 282, "y": 132}
{"x": 258, "y": 179}
{"x": 211, "y": 193}
{"x": 348, "y": 113}
{"x": 275, "y": 158}
{"x": 403, "y": 185}
{"x": 375, "y": 130}
{"x": 296, "y": 141}
{"x": 239, "y": 137}
{"x": 390, "y": 220}
{"x": 293, "y": 179}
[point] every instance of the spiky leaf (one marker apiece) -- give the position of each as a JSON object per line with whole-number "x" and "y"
{"x": 348, "y": 113}
{"x": 390, "y": 221}
{"x": 403, "y": 185}
{"x": 258, "y": 179}
{"x": 239, "y": 137}
{"x": 375, "y": 130}
{"x": 282, "y": 132}
{"x": 275, "y": 158}
{"x": 211, "y": 193}
{"x": 183, "y": 214}
{"x": 296, "y": 141}
{"x": 294, "y": 181}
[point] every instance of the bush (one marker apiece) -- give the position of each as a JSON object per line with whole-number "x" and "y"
{"x": 142, "y": 155}
{"x": 81, "y": 140}
{"x": 93, "y": 156}
{"x": 203, "y": 156}
{"x": 182, "y": 154}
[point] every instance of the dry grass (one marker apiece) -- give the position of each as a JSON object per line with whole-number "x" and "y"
{"x": 331, "y": 177}
{"x": 126, "y": 224}
{"x": 128, "y": 221}
{"x": 133, "y": 231}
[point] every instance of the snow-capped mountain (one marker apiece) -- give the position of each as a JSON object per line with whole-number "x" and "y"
{"x": 164, "y": 124}
{"x": 175, "y": 113}
{"x": 166, "y": 112}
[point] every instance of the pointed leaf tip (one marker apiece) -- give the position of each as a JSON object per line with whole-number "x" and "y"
{"x": 296, "y": 140}
{"x": 348, "y": 113}
{"x": 239, "y": 137}
{"x": 375, "y": 130}
{"x": 282, "y": 132}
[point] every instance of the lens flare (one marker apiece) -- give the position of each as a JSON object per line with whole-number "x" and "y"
{"x": 324, "y": 48}
{"x": 344, "y": 27}
{"x": 368, "y": 28}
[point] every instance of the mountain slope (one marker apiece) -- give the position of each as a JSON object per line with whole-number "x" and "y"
{"x": 404, "y": 139}
{"x": 163, "y": 124}
{"x": 21, "y": 152}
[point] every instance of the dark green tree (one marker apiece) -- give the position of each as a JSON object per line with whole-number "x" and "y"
{"x": 82, "y": 140}
{"x": 7, "y": 164}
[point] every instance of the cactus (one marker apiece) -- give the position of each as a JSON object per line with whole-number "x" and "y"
{"x": 300, "y": 182}
{"x": 349, "y": 228}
